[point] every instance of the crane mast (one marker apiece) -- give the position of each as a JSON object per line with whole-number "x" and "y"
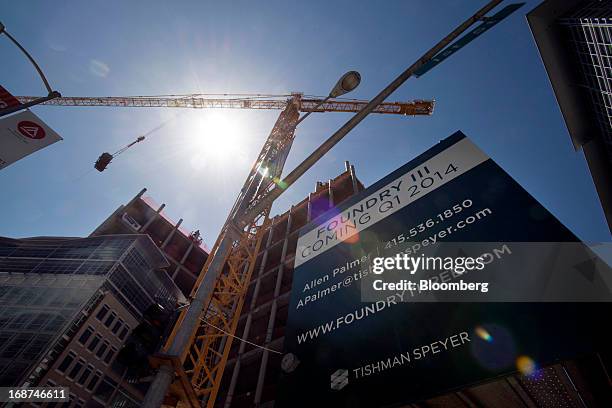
{"x": 198, "y": 358}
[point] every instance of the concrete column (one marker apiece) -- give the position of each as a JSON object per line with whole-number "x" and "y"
{"x": 354, "y": 180}
{"x": 270, "y": 329}
{"x": 171, "y": 233}
{"x": 309, "y": 215}
{"x": 182, "y": 261}
{"x": 153, "y": 218}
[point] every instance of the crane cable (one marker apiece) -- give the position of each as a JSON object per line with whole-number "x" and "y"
{"x": 142, "y": 137}
{"x": 105, "y": 158}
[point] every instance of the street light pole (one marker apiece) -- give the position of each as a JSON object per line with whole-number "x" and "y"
{"x": 51, "y": 93}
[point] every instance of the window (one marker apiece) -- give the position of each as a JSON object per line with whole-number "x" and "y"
{"x": 124, "y": 332}
{"x": 102, "y": 312}
{"x": 86, "y": 335}
{"x": 51, "y": 383}
{"x": 105, "y": 389}
{"x": 39, "y": 321}
{"x": 94, "y": 381}
{"x": 36, "y": 347}
{"x": 86, "y": 373}
{"x": 110, "y": 319}
{"x": 20, "y": 321}
{"x": 94, "y": 342}
{"x": 102, "y": 349}
{"x": 117, "y": 326}
{"x": 67, "y": 361}
{"x": 109, "y": 356}
{"x": 75, "y": 370}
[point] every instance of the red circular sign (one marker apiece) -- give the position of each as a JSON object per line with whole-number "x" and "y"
{"x": 31, "y": 129}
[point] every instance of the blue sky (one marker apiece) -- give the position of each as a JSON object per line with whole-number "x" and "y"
{"x": 495, "y": 90}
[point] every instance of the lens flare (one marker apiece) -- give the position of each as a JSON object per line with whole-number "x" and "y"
{"x": 263, "y": 171}
{"x": 279, "y": 183}
{"x": 526, "y": 365}
{"x": 352, "y": 239}
{"x": 483, "y": 334}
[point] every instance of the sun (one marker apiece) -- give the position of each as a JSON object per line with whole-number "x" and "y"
{"x": 216, "y": 138}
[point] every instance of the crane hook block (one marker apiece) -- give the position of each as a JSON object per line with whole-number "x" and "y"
{"x": 103, "y": 161}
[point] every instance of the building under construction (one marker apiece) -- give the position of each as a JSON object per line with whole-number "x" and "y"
{"x": 185, "y": 251}
{"x": 252, "y": 372}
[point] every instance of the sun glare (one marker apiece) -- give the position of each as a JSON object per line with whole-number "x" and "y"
{"x": 216, "y": 138}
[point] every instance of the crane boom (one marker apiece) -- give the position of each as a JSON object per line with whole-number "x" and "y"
{"x": 415, "y": 107}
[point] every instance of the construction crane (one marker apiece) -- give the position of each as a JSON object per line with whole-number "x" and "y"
{"x": 193, "y": 361}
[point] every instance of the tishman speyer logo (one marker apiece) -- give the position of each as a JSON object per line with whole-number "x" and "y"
{"x": 339, "y": 379}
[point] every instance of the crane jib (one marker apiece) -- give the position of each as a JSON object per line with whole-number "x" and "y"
{"x": 415, "y": 107}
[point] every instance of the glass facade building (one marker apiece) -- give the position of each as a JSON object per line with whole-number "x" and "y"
{"x": 49, "y": 285}
{"x": 574, "y": 39}
{"x": 589, "y": 30}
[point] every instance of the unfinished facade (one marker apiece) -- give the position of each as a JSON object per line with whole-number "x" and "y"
{"x": 251, "y": 373}
{"x": 184, "y": 250}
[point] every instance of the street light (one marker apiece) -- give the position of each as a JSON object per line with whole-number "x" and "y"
{"x": 52, "y": 94}
{"x": 345, "y": 84}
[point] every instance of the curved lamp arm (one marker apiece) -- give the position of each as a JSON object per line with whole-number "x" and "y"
{"x": 51, "y": 93}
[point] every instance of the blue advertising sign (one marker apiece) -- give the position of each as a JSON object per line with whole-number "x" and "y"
{"x": 343, "y": 350}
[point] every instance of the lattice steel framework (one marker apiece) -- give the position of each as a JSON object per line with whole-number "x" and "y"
{"x": 416, "y": 107}
{"x": 200, "y": 366}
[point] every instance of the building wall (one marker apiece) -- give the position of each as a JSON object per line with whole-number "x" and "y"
{"x": 588, "y": 30}
{"x": 251, "y": 373}
{"x": 574, "y": 39}
{"x": 51, "y": 290}
{"x": 35, "y": 310}
{"x": 85, "y": 364}
{"x": 141, "y": 215}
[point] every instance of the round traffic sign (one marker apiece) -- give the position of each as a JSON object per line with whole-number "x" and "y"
{"x": 30, "y": 129}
